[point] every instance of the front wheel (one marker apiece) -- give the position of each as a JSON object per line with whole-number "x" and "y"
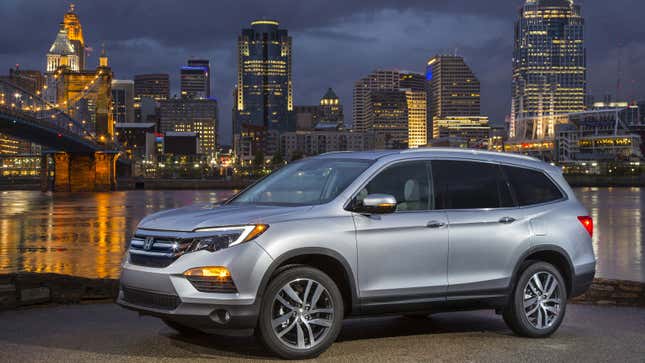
{"x": 301, "y": 313}
{"x": 538, "y": 303}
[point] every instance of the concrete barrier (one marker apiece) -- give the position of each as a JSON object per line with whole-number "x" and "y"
{"x": 25, "y": 289}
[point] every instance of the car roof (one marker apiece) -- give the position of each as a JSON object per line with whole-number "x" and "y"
{"x": 457, "y": 153}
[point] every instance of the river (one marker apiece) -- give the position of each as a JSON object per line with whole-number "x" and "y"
{"x": 85, "y": 234}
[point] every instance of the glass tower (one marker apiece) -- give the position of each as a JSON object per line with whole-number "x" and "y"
{"x": 549, "y": 66}
{"x": 264, "y": 95}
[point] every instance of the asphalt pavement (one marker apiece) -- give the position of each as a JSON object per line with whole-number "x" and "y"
{"x": 106, "y": 332}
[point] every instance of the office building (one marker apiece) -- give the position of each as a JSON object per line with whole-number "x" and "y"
{"x": 314, "y": 142}
{"x": 195, "y": 79}
{"x": 393, "y": 105}
{"x": 191, "y": 115}
{"x": 331, "y": 109}
{"x": 549, "y": 64}
{"x": 155, "y": 86}
{"x": 123, "y": 101}
{"x": 455, "y": 103}
{"x": 264, "y": 97}
{"x": 454, "y": 88}
{"x": 75, "y": 35}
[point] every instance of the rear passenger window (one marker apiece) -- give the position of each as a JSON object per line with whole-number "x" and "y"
{"x": 531, "y": 186}
{"x": 469, "y": 185}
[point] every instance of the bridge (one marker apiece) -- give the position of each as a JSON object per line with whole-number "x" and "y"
{"x": 82, "y": 161}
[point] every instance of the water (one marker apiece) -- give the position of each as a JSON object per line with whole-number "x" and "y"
{"x": 86, "y": 234}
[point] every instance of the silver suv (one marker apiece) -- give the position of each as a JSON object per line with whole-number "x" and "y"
{"x": 344, "y": 234}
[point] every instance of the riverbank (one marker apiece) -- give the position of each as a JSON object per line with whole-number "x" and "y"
{"x": 27, "y": 289}
{"x": 31, "y": 183}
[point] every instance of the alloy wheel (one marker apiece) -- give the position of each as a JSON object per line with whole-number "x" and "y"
{"x": 302, "y": 313}
{"x": 542, "y": 300}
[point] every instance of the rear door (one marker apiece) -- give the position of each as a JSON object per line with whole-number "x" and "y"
{"x": 487, "y": 230}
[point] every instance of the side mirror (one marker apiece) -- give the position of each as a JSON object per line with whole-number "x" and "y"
{"x": 378, "y": 204}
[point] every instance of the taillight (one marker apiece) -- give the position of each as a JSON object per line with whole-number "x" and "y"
{"x": 587, "y": 222}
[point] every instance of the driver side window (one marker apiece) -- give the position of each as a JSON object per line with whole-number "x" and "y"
{"x": 407, "y": 182}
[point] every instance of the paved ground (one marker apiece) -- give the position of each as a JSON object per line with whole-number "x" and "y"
{"x": 105, "y": 332}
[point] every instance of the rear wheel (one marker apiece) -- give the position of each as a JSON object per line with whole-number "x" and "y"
{"x": 301, "y": 313}
{"x": 538, "y": 302}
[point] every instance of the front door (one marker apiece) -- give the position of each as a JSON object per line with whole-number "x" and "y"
{"x": 402, "y": 256}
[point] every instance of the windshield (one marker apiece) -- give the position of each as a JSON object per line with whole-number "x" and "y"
{"x": 306, "y": 182}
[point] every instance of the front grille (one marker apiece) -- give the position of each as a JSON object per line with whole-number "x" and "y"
{"x": 213, "y": 284}
{"x": 150, "y": 299}
{"x": 156, "y": 251}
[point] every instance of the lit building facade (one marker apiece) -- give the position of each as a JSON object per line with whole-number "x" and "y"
{"x": 155, "y": 86}
{"x": 331, "y": 110}
{"x": 195, "y": 79}
{"x": 309, "y": 143}
{"x": 393, "y": 105}
{"x": 122, "y": 100}
{"x": 264, "y": 92}
{"x": 454, "y": 89}
{"x": 75, "y": 35}
{"x": 549, "y": 65}
{"x": 474, "y": 131}
{"x": 191, "y": 115}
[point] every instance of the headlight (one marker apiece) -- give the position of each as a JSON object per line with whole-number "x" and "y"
{"x": 224, "y": 237}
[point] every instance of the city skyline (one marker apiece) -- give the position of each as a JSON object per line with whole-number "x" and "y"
{"x": 486, "y": 43}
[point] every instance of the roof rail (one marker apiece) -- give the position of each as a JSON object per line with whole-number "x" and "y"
{"x": 471, "y": 151}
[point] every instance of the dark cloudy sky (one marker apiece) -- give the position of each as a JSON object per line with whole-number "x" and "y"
{"x": 334, "y": 42}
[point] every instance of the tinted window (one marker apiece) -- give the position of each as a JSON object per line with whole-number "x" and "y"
{"x": 469, "y": 185}
{"x": 407, "y": 182}
{"x": 531, "y": 186}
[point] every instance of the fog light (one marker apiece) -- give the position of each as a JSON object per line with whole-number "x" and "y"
{"x": 211, "y": 279}
{"x": 210, "y": 271}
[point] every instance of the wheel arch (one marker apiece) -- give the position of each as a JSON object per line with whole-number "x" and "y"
{"x": 552, "y": 254}
{"x": 324, "y": 259}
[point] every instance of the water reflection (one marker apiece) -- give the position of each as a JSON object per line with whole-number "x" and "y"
{"x": 86, "y": 234}
{"x": 79, "y": 234}
{"x": 618, "y": 234}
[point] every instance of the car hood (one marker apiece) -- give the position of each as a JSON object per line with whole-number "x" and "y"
{"x": 189, "y": 218}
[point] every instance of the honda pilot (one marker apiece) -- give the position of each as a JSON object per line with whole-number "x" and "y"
{"x": 348, "y": 234}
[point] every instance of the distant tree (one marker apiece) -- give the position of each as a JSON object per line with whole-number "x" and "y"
{"x": 258, "y": 159}
{"x": 277, "y": 159}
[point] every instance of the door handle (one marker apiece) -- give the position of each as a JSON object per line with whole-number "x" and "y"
{"x": 507, "y": 220}
{"x": 435, "y": 224}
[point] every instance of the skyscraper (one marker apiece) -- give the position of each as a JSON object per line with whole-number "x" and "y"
{"x": 392, "y": 105}
{"x": 454, "y": 89}
{"x": 331, "y": 110}
{"x": 75, "y": 34}
{"x": 264, "y": 97}
{"x": 455, "y": 106}
{"x": 155, "y": 86}
{"x": 122, "y": 100}
{"x": 549, "y": 65}
{"x": 195, "y": 79}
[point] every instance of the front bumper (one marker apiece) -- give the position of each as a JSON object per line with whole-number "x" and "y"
{"x": 166, "y": 293}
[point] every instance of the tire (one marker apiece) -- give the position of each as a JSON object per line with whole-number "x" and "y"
{"x": 545, "y": 304}
{"x": 181, "y": 329}
{"x": 320, "y": 314}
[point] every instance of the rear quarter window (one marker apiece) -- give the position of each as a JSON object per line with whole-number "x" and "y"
{"x": 531, "y": 186}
